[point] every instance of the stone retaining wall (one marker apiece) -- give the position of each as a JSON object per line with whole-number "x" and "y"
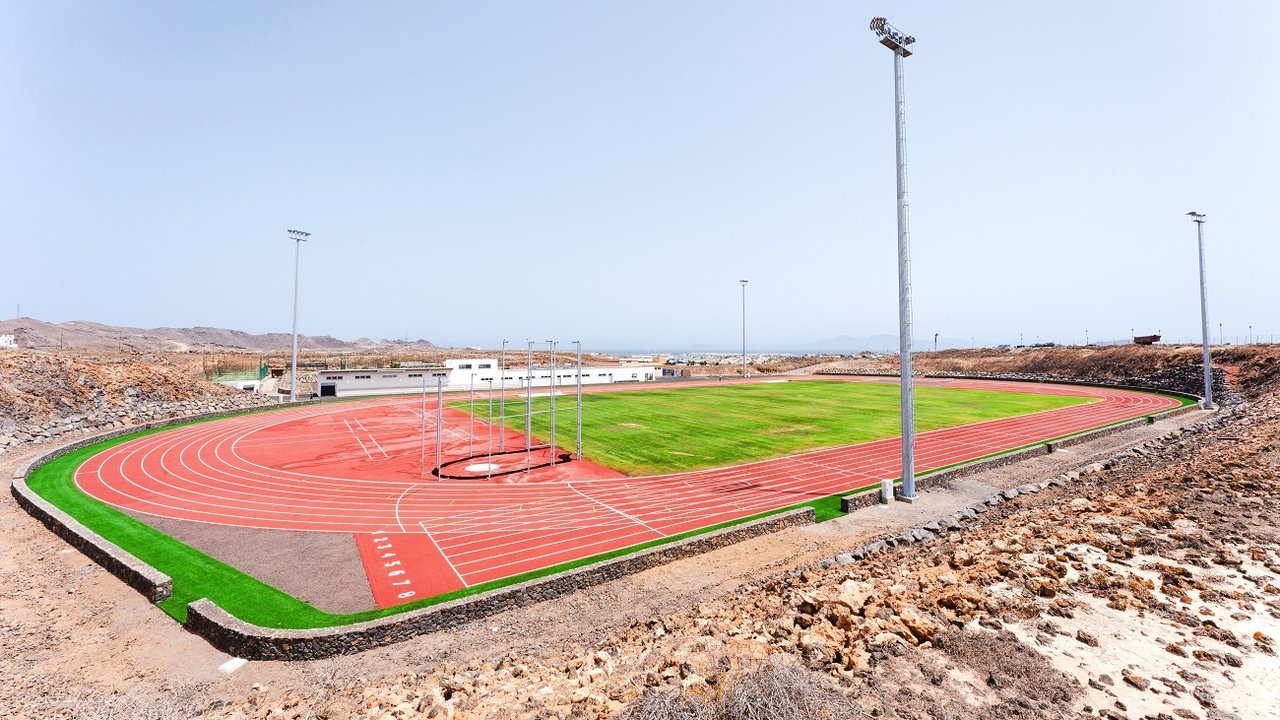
{"x": 131, "y": 415}
{"x": 234, "y": 636}
{"x": 152, "y": 583}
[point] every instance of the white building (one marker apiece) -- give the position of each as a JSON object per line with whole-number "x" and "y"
{"x": 477, "y": 373}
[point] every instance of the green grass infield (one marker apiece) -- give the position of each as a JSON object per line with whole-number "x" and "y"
{"x": 679, "y": 429}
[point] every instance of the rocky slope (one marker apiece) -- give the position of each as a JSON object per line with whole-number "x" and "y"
{"x": 47, "y": 395}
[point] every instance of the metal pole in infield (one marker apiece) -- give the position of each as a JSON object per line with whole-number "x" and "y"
{"x": 552, "y": 399}
{"x": 1198, "y": 219}
{"x": 528, "y": 411}
{"x": 439, "y": 421}
{"x": 900, "y": 43}
{"x": 422, "y": 438}
{"x": 579, "y": 450}
{"x": 489, "y": 438}
{"x": 502, "y": 397}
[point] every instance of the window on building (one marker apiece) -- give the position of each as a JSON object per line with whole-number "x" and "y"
{"x": 485, "y": 366}
{"x": 364, "y": 377}
{"x": 465, "y": 366}
{"x": 415, "y": 375}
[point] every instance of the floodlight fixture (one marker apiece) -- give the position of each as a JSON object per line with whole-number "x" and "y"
{"x": 891, "y": 37}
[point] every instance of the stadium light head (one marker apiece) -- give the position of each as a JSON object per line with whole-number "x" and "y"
{"x": 891, "y": 37}
{"x": 1196, "y": 217}
{"x": 299, "y": 235}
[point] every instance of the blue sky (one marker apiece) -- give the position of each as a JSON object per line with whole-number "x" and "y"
{"x": 608, "y": 171}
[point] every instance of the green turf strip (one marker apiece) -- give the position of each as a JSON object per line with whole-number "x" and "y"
{"x": 692, "y": 428}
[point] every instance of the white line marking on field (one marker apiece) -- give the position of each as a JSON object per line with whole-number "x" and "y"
{"x": 610, "y": 508}
{"x": 373, "y": 439}
{"x": 357, "y": 437}
{"x": 440, "y": 550}
{"x": 406, "y": 492}
{"x": 232, "y": 665}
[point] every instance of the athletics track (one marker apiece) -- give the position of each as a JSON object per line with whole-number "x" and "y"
{"x": 355, "y": 467}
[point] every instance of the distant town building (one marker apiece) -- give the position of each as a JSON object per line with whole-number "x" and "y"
{"x": 7, "y": 342}
{"x": 478, "y": 373}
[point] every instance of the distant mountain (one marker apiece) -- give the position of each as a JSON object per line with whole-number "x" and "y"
{"x": 84, "y": 335}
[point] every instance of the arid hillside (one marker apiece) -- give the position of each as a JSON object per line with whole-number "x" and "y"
{"x": 1243, "y": 368}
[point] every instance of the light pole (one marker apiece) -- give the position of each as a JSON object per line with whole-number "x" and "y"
{"x": 1086, "y": 338}
{"x": 1198, "y": 219}
{"x": 1220, "y": 340}
{"x": 935, "y": 342}
{"x": 298, "y": 237}
{"x": 744, "y": 327}
{"x": 900, "y": 43}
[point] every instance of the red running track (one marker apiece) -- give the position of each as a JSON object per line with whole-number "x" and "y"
{"x": 356, "y": 468}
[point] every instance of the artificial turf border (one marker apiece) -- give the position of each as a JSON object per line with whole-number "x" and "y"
{"x": 197, "y": 575}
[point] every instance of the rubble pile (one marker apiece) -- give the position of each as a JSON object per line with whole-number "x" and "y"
{"x": 46, "y": 396}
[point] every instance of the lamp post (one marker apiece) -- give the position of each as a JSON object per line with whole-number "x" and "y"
{"x": 744, "y": 327}
{"x": 900, "y": 43}
{"x": 298, "y": 237}
{"x": 1198, "y": 219}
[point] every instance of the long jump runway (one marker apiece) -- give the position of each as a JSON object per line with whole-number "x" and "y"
{"x": 358, "y": 468}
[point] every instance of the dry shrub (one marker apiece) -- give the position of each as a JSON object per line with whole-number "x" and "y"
{"x": 772, "y": 691}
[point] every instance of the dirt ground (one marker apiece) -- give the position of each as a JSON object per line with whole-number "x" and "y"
{"x": 74, "y": 642}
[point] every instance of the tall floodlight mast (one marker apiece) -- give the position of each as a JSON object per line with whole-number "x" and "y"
{"x": 743, "y": 283}
{"x": 1198, "y": 219}
{"x": 900, "y": 43}
{"x": 298, "y": 237}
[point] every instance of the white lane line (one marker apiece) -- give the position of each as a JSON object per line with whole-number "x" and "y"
{"x": 372, "y": 439}
{"x": 610, "y": 508}
{"x": 406, "y": 492}
{"x": 357, "y": 437}
{"x": 423, "y": 525}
